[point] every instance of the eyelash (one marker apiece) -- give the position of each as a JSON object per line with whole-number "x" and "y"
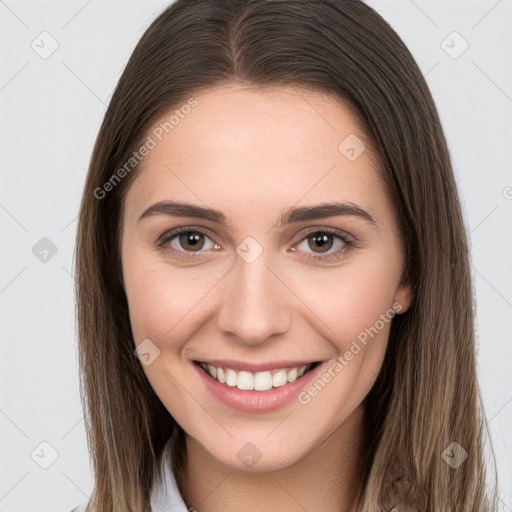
{"x": 169, "y": 235}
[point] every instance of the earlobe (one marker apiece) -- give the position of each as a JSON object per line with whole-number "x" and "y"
{"x": 403, "y": 298}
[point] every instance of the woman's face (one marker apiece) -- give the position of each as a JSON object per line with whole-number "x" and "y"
{"x": 292, "y": 257}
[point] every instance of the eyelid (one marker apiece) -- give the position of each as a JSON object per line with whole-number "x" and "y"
{"x": 345, "y": 237}
{"x": 166, "y": 237}
{"x": 325, "y": 229}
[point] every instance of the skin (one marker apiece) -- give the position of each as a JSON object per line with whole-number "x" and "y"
{"x": 251, "y": 154}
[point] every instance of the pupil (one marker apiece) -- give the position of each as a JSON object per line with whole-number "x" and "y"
{"x": 323, "y": 240}
{"x": 191, "y": 239}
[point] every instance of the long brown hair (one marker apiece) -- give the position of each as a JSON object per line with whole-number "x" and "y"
{"x": 426, "y": 396}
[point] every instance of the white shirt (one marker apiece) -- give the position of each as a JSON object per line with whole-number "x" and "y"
{"x": 165, "y": 495}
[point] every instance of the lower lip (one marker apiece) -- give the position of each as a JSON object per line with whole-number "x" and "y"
{"x": 256, "y": 401}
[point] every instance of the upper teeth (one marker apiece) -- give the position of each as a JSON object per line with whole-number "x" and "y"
{"x": 259, "y": 381}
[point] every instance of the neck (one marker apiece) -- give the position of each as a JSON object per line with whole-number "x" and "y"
{"x": 328, "y": 478}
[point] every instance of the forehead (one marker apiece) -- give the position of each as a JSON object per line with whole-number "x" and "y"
{"x": 258, "y": 148}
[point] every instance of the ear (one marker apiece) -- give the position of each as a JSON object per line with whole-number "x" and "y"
{"x": 403, "y": 297}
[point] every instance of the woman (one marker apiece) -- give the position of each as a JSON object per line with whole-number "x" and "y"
{"x": 274, "y": 296}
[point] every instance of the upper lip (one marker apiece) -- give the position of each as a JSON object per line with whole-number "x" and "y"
{"x": 255, "y": 367}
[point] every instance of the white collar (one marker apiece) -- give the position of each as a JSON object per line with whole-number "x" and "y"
{"x": 165, "y": 495}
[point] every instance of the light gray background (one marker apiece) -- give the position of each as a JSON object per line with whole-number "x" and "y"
{"x": 51, "y": 110}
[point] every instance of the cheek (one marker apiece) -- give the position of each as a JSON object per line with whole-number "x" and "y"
{"x": 164, "y": 307}
{"x": 352, "y": 309}
{"x": 164, "y": 302}
{"x": 348, "y": 300}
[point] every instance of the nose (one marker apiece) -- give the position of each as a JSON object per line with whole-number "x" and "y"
{"x": 255, "y": 303}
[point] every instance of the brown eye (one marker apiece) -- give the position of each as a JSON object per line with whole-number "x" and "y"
{"x": 322, "y": 241}
{"x": 325, "y": 245}
{"x": 191, "y": 240}
{"x": 182, "y": 241}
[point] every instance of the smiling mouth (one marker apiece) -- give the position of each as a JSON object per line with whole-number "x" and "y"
{"x": 256, "y": 381}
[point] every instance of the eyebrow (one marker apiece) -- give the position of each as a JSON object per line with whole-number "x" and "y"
{"x": 289, "y": 216}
